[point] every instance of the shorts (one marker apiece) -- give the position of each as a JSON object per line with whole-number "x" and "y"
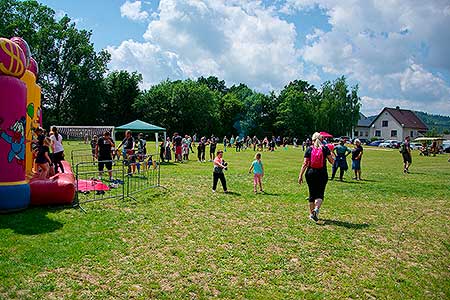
{"x": 178, "y": 150}
{"x": 102, "y": 164}
{"x": 356, "y": 164}
{"x": 257, "y": 178}
{"x": 341, "y": 162}
{"x": 212, "y": 150}
{"x": 407, "y": 157}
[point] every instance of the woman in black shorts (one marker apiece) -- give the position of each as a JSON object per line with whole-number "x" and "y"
{"x": 316, "y": 175}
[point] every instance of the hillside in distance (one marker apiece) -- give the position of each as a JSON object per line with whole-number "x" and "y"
{"x": 441, "y": 123}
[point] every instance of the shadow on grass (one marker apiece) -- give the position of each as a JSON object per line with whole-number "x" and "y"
{"x": 350, "y": 181}
{"x": 270, "y": 194}
{"x": 344, "y": 224}
{"x": 32, "y": 221}
{"x": 233, "y": 193}
{"x": 369, "y": 180}
{"x": 168, "y": 163}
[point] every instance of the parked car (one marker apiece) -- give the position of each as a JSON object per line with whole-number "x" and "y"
{"x": 390, "y": 144}
{"x": 376, "y": 143}
{"x": 415, "y": 146}
{"x": 446, "y": 146}
{"x": 346, "y": 138}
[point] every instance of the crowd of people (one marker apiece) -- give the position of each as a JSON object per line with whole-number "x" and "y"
{"x": 133, "y": 152}
{"x": 48, "y": 152}
{"x": 317, "y": 152}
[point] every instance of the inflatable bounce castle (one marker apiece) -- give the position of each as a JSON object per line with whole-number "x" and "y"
{"x": 20, "y": 114}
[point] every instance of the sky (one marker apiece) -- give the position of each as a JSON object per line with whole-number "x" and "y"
{"x": 396, "y": 51}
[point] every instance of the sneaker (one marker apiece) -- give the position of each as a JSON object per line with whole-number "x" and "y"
{"x": 316, "y": 212}
{"x": 213, "y": 191}
{"x": 312, "y": 217}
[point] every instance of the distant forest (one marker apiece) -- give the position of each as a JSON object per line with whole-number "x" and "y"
{"x": 439, "y": 124}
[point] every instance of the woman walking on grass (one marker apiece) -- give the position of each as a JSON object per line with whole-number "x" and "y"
{"x": 258, "y": 172}
{"x": 314, "y": 164}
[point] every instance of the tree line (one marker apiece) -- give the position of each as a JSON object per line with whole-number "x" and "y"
{"x": 78, "y": 89}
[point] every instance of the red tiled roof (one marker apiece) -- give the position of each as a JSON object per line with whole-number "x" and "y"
{"x": 406, "y": 117}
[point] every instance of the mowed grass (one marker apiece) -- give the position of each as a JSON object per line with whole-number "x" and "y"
{"x": 386, "y": 237}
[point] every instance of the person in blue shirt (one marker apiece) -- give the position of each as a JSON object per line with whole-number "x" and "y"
{"x": 258, "y": 172}
{"x": 341, "y": 152}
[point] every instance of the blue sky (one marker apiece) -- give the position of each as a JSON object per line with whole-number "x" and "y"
{"x": 396, "y": 51}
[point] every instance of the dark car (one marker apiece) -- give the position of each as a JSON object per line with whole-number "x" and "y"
{"x": 446, "y": 146}
{"x": 376, "y": 143}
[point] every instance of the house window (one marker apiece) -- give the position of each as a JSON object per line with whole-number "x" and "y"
{"x": 366, "y": 133}
{"x": 377, "y": 132}
{"x": 356, "y": 132}
{"x": 384, "y": 123}
{"x": 393, "y": 133}
{"x": 411, "y": 134}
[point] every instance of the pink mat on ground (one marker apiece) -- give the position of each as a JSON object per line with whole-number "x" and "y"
{"x": 91, "y": 185}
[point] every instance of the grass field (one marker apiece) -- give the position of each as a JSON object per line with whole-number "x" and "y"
{"x": 386, "y": 237}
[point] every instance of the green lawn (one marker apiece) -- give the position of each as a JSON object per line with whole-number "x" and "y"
{"x": 386, "y": 237}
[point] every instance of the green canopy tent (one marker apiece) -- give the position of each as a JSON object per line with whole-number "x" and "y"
{"x": 144, "y": 127}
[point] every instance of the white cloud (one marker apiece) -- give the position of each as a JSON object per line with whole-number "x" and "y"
{"x": 59, "y": 14}
{"x": 393, "y": 49}
{"x": 238, "y": 41}
{"x": 133, "y": 11}
{"x": 150, "y": 60}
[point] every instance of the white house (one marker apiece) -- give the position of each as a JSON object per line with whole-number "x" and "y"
{"x": 396, "y": 124}
{"x": 362, "y": 130}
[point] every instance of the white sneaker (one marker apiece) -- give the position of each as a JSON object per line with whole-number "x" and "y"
{"x": 213, "y": 191}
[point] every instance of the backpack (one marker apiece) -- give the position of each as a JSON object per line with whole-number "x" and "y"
{"x": 403, "y": 148}
{"x": 316, "y": 158}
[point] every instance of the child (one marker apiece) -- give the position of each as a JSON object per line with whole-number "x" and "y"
{"x": 219, "y": 166}
{"x": 93, "y": 146}
{"x": 43, "y": 161}
{"x": 258, "y": 172}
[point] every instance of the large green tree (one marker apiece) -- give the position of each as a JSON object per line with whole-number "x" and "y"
{"x": 296, "y": 109}
{"x": 68, "y": 63}
{"x": 122, "y": 91}
{"x": 338, "y": 109}
{"x": 184, "y": 106}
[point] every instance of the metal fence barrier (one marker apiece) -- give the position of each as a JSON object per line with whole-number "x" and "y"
{"x": 126, "y": 178}
{"x": 80, "y": 156}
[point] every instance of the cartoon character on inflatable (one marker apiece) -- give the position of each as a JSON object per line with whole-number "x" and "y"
{"x": 16, "y": 141}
